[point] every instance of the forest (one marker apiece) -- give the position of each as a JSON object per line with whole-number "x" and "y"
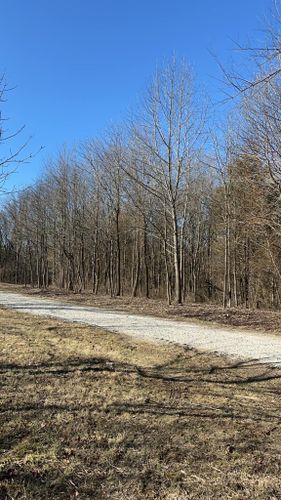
{"x": 165, "y": 205}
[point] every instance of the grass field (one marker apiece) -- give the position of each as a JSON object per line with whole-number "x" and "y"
{"x": 92, "y": 415}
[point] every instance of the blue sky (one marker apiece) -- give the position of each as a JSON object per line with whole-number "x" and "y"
{"x": 78, "y": 65}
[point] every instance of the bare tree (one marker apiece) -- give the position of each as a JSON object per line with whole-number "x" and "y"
{"x": 165, "y": 142}
{"x": 11, "y": 154}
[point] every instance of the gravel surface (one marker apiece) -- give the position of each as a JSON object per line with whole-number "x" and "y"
{"x": 245, "y": 344}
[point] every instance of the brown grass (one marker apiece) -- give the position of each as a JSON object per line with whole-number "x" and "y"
{"x": 93, "y": 415}
{"x": 261, "y": 320}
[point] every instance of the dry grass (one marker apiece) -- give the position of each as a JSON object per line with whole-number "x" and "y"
{"x": 262, "y": 320}
{"x": 93, "y": 415}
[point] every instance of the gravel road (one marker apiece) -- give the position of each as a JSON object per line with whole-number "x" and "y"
{"x": 238, "y": 343}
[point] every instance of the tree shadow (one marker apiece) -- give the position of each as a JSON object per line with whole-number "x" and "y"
{"x": 222, "y": 412}
{"x": 235, "y": 373}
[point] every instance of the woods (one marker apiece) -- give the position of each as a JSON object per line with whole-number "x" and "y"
{"x": 161, "y": 206}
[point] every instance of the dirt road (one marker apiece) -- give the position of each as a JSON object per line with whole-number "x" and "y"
{"x": 238, "y": 343}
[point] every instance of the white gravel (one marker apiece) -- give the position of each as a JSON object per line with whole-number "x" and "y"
{"x": 238, "y": 343}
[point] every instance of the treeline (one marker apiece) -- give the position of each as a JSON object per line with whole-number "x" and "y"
{"x": 161, "y": 207}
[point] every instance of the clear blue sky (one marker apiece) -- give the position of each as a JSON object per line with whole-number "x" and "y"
{"x": 78, "y": 65}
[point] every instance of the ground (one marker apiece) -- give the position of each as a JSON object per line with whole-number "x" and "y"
{"x": 93, "y": 415}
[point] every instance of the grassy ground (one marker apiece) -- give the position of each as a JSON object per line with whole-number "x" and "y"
{"x": 262, "y": 320}
{"x": 93, "y": 415}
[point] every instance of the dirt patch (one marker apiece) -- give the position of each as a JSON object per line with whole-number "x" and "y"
{"x": 89, "y": 414}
